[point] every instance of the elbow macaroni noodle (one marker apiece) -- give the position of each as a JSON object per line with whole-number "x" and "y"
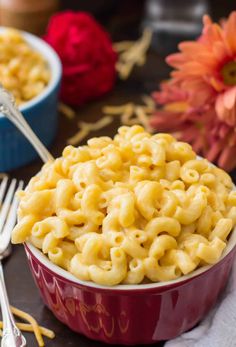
{"x": 132, "y": 209}
{"x": 23, "y": 70}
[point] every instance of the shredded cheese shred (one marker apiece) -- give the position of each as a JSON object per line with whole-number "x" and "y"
{"x": 31, "y": 326}
{"x": 131, "y": 113}
{"x": 132, "y": 53}
{"x": 66, "y": 110}
{"x": 28, "y": 328}
{"x": 86, "y": 128}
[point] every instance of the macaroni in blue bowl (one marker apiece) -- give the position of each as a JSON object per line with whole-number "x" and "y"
{"x": 40, "y": 112}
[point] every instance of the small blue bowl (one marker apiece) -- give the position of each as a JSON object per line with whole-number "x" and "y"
{"x": 40, "y": 112}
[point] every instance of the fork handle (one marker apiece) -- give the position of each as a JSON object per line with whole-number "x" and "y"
{"x": 11, "y": 111}
{"x": 12, "y": 336}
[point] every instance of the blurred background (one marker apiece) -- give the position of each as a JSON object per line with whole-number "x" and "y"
{"x": 123, "y": 18}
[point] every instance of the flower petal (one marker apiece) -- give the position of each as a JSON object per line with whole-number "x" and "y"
{"x": 229, "y": 32}
{"x": 227, "y": 159}
{"x": 230, "y": 98}
{"x": 226, "y": 107}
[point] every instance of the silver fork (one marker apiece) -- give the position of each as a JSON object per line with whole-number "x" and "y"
{"x": 12, "y": 336}
{"x": 10, "y": 110}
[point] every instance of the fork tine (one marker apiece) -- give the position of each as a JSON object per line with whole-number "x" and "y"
{"x": 6, "y": 203}
{"x": 3, "y": 187}
{"x": 11, "y": 219}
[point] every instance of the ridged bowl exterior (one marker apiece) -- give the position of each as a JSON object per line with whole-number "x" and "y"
{"x": 131, "y": 316}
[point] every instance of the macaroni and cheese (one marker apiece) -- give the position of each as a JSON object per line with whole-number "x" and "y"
{"x": 131, "y": 209}
{"x": 23, "y": 71}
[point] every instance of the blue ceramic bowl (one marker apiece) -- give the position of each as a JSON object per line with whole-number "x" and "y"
{"x": 40, "y": 113}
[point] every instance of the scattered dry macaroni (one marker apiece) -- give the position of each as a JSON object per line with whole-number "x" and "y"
{"x": 132, "y": 209}
{"x": 23, "y": 71}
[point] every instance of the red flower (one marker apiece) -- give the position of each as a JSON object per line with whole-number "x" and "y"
{"x": 87, "y": 56}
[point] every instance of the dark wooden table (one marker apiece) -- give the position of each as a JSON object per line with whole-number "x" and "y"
{"x": 21, "y": 288}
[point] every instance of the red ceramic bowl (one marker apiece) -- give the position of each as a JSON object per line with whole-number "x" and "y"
{"x": 130, "y": 314}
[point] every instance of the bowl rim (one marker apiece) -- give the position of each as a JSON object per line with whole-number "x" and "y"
{"x": 51, "y": 58}
{"x": 44, "y": 260}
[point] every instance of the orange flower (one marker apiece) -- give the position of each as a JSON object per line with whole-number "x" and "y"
{"x": 198, "y": 103}
{"x": 208, "y": 58}
{"x": 208, "y": 65}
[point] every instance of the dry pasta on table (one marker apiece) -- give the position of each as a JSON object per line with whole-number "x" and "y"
{"x": 128, "y": 210}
